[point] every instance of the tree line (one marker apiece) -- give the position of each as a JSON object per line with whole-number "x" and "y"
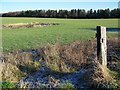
{"x": 74, "y": 13}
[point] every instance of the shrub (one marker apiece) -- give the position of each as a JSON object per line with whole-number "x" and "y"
{"x": 67, "y": 86}
{"x": 7, "y": 85}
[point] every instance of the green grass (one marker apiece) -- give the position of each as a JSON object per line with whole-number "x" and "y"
{"x": 67, "y": 86}
{"x": 68, "y": 31}
{"x": 7, "y": 85}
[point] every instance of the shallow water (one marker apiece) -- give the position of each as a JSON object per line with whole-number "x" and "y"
{"x": 107, "y": 29}
{"x": 113, "y": 29}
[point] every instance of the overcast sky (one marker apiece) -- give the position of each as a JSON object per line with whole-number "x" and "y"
{"x": 9, "y": 6}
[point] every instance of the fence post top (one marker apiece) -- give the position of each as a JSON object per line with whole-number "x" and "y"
{"x": 101, "y": 26}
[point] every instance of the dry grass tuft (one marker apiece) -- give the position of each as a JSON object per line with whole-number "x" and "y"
{"x": 68, "y": 58}
{"x": 63, "y": 59}
{"x": 27, "y": 25}
{"x": 59, "y": 58}
{"x": 17, "y": 65}
{"x": 97, "y": 75}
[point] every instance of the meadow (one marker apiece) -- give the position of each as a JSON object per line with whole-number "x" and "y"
{"x": 59, "y": 49}
{"x": 68, "y": 30}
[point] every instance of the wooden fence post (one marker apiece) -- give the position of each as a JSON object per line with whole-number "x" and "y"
{"x": 101, "y": 45}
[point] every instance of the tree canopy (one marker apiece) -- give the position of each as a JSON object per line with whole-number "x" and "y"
{"x": 74, "y": 13}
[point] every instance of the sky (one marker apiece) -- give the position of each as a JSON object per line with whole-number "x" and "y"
{"x": 11, "y": 6}
{"x": 59, "y": 0}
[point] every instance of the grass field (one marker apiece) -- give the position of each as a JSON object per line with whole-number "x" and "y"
{"x": 68, "y": 31}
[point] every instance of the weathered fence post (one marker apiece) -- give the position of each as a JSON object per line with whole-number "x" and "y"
{"x": 101, "y": 45}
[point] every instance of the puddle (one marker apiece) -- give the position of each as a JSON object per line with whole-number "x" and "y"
{"x": 107, "y": 29}
{"x": 113, "y": 29}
